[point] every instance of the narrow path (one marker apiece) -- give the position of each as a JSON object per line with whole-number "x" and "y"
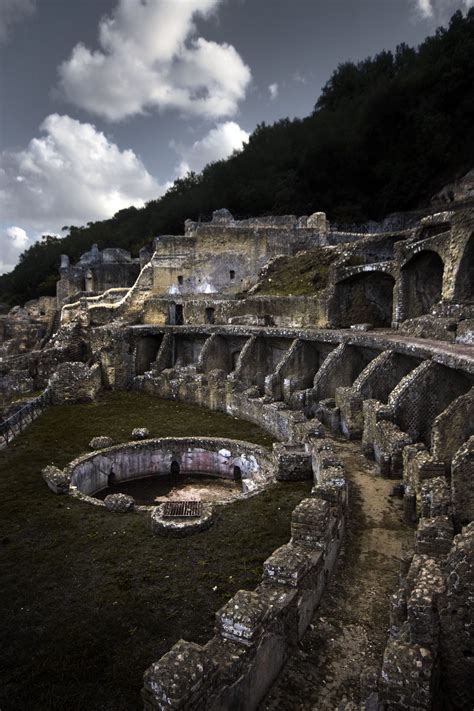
{"x": 349, "y": 630}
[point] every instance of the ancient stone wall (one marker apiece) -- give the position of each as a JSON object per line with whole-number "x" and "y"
{"x": 96, "y": 272}
{"x": 188, "y": 329}
{"x": 256, "y": 630}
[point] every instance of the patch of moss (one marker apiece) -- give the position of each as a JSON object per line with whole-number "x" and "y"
{"x": 18, "y": 399}
{"x": 304, "y": 274}
{"x": 90, "y": 599}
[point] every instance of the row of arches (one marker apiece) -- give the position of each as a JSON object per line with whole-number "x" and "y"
{"x": 367, "y": 297}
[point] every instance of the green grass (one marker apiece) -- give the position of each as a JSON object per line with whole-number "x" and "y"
{"x": 304, "y": 274}
{"x": 18, "y": 399}
{"x": 89, "y": 598}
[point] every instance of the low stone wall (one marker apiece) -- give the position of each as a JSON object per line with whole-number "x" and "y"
{"x": 257, "y": 630}
{"x": 412, "y": 661}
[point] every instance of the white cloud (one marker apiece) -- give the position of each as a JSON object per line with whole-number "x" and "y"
{"x": 273, "y": 89}
{"x": 70, "y": 175}
{"x": 13, "y": 240}
{"x": 150, "y": 58}
{"x": 18, "y": 236}
{"x": 218, "y": 143}
{"x": 12, "y": 12}
{"x": 440, "y": 10}
{"x": 424, "y": 8}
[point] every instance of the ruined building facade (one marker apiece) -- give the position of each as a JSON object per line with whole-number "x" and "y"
{"x": 380, "y": 350}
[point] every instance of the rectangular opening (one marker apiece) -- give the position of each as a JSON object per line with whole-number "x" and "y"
{"x": 182, "y": 509}
{"x": 209, "y": 315}
{"x": 147, "y": 350}
{"x": 179, "y": 315}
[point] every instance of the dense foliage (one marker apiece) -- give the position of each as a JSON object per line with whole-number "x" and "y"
{"x": 384, "y": 135}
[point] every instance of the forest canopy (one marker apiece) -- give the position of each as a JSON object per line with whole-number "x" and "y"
{"x": 384, "y": 135}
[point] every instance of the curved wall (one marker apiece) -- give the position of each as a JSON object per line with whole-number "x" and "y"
{"x": 157, "y": 457}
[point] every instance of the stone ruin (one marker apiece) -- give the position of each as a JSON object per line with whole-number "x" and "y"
{"x": 380, "y": 352}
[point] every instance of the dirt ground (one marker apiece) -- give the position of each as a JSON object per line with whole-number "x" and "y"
{"x": 152, "y": 490}
{"x": 348, "y": 633}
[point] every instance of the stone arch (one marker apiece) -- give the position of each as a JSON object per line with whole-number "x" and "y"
{"x": 365, "y": 297}
{"x": 175, "y": 468}
{"x": 421, "y": 282}
{"x": 464, "y": 289}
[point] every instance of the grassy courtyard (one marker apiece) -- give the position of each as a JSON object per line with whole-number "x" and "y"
{"x": 89, "y": 598}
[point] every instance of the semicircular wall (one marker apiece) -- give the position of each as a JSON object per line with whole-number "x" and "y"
{"x": 160, "y": 457}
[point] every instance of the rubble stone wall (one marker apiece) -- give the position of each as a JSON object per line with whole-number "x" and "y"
{"x": 256, "y": 630}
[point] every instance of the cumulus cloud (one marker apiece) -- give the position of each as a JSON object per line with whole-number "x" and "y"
{"x": 13, "y": 241}
{"x": 273, "y": 89}
{"x": 218, "y": 143}
{"x": 18, "y": 236}
{"x": 12, "y": 12}
{"x": 70, "y": 175}
{"x": 440, "y": 10}
{"x": 151, "y": 58}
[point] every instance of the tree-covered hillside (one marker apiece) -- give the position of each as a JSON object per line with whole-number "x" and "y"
{"x": 385, "y": 134}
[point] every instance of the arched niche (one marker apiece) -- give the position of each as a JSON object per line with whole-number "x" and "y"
{"x": 464, "y": 289}
{"x": 422, "y": 281}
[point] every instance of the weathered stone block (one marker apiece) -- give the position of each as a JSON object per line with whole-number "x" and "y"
{"x": 100, "y": 442}
{"x": 75, "y": 382}
{"x": 422, "y": 610}
{"x": 241, "y": 619}
{"x": 434, "y": 536}
{"x": 289, "y": 564}
{"x": 389, "y": 442}
{"x": 312, "y": 523}
{"x": 140, "y": 433}
{"x": 408, "y": 677}
{"x": 180, "y": 679}
{"x": 457, "y": 615}
{"x": 398, "y": 611}
{"x": 57, "y": 480}
{"x": 435, "y": 498}
{"x": 293, "y": 463}
{"x": 119, "y": 503}
{"x": 462, "y": 484}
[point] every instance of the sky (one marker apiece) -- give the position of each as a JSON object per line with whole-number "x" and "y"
{"x": 104, "y": 103}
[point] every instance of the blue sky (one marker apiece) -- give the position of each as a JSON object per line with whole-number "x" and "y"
{"x": 105, "y": 102}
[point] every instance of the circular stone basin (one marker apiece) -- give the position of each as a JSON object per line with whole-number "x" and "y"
{"x": 199, "y": 468}
{"x": 178, "y": 527}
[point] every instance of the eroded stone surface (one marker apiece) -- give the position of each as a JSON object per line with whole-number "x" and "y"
{"x": 100, "y": 442}
{"x": 57, "y": 480}
{"x": 119, "y": 503}
{"x": 140, "y": 433}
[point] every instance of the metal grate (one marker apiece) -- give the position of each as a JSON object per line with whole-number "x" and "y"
{"x": 182, "y": 509}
